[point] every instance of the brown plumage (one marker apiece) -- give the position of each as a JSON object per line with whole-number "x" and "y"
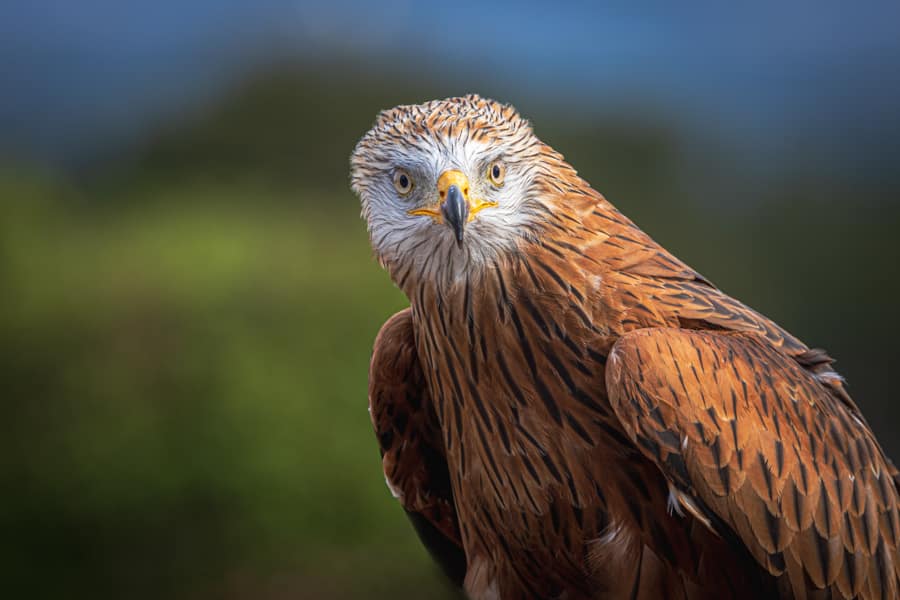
{"x": 566, "y": 410}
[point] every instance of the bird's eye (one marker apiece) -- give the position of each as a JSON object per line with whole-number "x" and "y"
{"x": 496, "y": 172}
{"x": 403, "y": 182}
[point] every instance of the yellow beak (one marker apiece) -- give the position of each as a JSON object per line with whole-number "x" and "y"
{"x": 447, "y": 180}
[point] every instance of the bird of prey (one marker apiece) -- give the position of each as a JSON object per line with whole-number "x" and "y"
{"x": 566, "y": 410}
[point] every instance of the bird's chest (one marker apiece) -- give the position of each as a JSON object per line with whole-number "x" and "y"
{"x": 519, "y": 396}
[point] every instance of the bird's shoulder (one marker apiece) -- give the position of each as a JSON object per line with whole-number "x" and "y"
{"x": 633, "y": 282}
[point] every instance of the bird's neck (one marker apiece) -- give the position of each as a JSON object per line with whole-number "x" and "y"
{"x": 518, "y": 306}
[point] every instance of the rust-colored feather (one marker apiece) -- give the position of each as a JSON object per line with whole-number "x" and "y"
{"x": 803, "y": 518}
{"x": 412, "y": 451}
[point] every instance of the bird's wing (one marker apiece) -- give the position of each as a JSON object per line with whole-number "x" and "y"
{"x": 755, "y": 445}
{"x": 412, "y": 449}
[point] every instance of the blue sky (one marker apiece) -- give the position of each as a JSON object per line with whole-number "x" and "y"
{"x": 77, "y": 73}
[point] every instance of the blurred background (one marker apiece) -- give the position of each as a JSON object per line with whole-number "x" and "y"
{"x": 187, "y": 295}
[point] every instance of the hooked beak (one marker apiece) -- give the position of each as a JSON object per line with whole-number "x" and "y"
{"x": 455, "y": 207}
{"x": 455, "y": 210}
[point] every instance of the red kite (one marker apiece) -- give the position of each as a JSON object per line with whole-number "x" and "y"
{"x": 567, "y": 410}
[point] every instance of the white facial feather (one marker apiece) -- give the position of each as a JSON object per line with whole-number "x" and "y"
{"x": 426, "y": 141}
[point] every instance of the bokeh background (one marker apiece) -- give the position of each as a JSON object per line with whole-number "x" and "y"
{"x": 187, "y": 295}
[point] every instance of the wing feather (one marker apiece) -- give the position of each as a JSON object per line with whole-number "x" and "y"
{"x": 412, "y": 449}
{"x": 775, "y": 452}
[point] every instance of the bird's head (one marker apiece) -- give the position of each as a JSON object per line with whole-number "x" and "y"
{"x": 450, "y": 184}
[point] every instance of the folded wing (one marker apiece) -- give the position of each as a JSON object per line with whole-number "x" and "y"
{"x": 412, "y": 449}
{"x": 752, "y": 441}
